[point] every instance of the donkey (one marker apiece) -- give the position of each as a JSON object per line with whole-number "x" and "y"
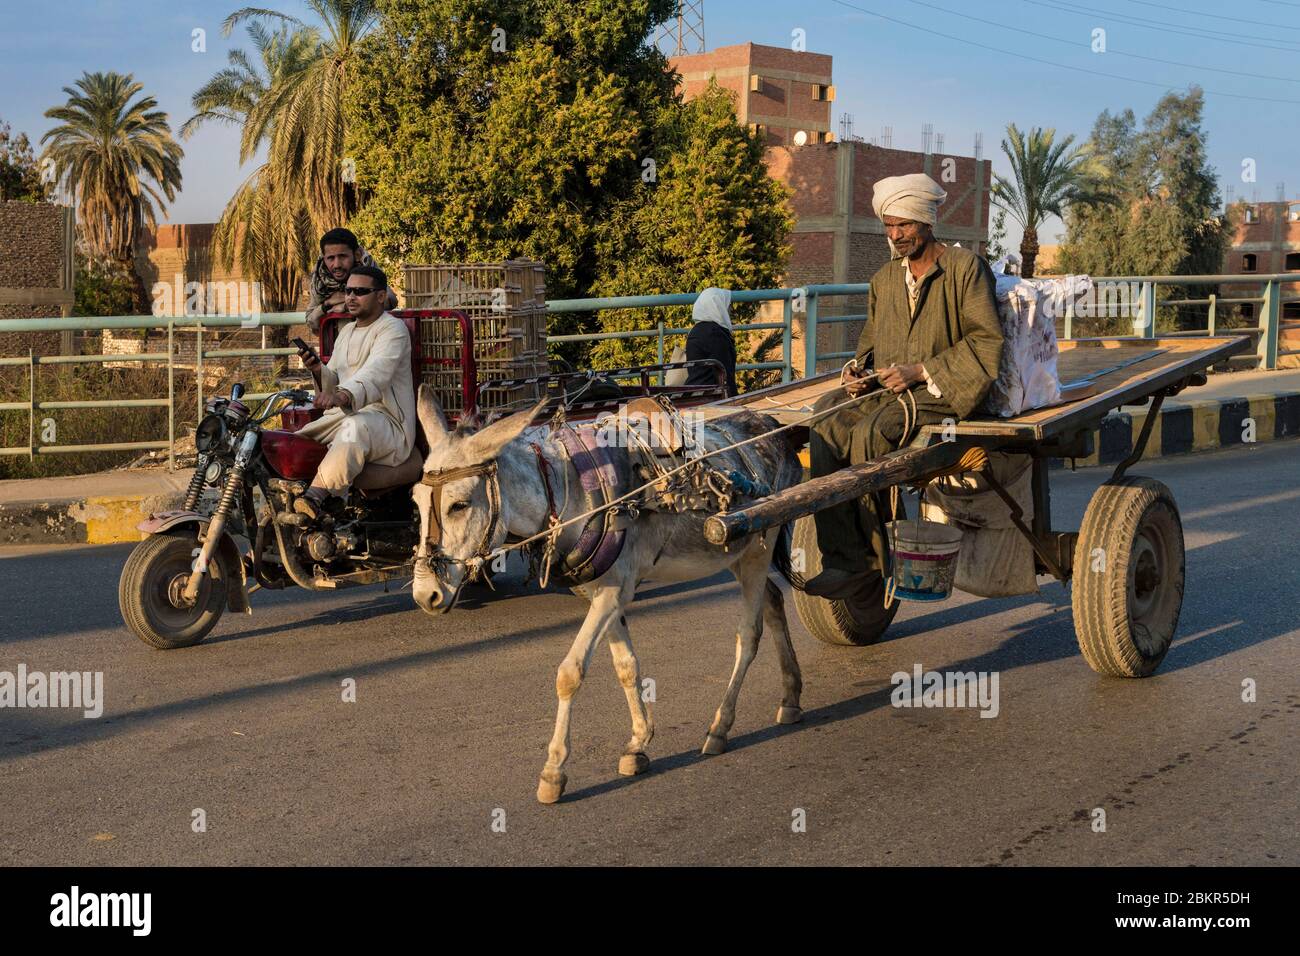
{"x": 484, "y": 487}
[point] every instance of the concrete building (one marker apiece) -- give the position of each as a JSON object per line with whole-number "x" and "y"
{"x": 779, "y": 93}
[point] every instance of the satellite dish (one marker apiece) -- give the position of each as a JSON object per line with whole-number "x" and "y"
{"x": 800, "y": 138}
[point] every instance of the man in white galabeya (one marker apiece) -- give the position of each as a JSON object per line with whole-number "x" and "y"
{"x": 366, "y": 390}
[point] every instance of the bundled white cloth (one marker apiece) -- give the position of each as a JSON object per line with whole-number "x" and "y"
{"x": 1028, "y": 309}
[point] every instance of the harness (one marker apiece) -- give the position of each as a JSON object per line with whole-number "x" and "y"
{"x": 435, "y": 480}
{"x": 599, "y": 541}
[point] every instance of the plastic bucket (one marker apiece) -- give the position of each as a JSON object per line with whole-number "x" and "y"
{"x": 925, "y": 557}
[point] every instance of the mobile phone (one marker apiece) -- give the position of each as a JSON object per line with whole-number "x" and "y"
{"x": 302, "y": 346}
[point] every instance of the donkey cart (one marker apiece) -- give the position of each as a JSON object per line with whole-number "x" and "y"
{"x": 1126, "y": 561}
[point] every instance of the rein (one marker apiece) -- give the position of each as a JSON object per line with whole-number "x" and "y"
{"x": 432, "y": 543}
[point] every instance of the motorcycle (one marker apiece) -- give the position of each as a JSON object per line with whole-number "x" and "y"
{"x": 179, "y": 581}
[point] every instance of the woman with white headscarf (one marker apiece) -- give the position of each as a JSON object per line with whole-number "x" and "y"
{"x": 711, "y": 338}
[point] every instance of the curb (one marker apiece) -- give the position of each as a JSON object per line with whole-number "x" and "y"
{"x": 1194, "y": 426}
{"x": 91, "y": 520}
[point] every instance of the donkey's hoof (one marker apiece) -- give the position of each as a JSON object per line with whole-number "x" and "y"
{"x": 788, "y": 715}
{"x": 629, "y": 765}
{"x": 551, "y": 787}
{"x": 714, "y": 744}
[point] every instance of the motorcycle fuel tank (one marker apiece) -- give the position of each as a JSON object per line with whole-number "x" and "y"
{"x": 290, "y": 455}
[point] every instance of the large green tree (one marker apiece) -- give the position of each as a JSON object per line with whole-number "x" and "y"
{"x": 551, "y": 129}
{"x": 265, "y": 226}
{"x": 116, "y": 155}
{"x": 1163, "y": 218}
{"x": 301, "y": 115}
{"x": 1047, "y": 177}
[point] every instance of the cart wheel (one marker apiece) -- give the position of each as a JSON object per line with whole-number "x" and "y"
{"x": 859, "y": 621}
{"x": 1128, "y": 577}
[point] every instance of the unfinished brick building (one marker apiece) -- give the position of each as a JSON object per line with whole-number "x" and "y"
{"x": 836, "y": 238}
{"x": 779, "y": 93}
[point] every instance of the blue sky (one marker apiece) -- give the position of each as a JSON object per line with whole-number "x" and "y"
{"x": 898, "y": 72}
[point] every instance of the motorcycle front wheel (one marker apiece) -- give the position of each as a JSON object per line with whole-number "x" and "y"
{"x": 150, "y": 591}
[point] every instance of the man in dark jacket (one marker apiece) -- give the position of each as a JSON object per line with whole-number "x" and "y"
{"x": 932, "y": 331}
{"x": 339, "y": 254}
{"x": 711, "y": 338}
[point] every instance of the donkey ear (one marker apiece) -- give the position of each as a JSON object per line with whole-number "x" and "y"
{"x": 431, "y": 417}
{"x": 488, "y": 443}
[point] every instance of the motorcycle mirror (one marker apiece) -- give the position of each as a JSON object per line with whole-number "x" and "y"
{"x": 237, "y": 392}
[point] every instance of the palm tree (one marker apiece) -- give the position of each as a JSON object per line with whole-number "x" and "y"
{"x": 1048, "y": 177}
{"x": 264, "y": 226}
{"x": 301, "y": 114}
{"x": 119, "y": 161}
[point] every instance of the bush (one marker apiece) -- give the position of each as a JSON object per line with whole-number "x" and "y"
{"x": 104, "y": 287}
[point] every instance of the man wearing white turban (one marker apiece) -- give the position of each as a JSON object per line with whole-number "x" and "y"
{"x": 932, "y": 330}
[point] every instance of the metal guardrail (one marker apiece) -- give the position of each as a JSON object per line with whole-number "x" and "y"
{"x": 799, "y": 304}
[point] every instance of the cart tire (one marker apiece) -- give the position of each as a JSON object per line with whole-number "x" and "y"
{"x": 1129, "y": 572}
{"x": 859, "y": 621}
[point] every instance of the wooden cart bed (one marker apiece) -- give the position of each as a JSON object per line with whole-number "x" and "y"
{"x": 1097, "y": 375}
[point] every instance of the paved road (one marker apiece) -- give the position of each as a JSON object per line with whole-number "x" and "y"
{"x": 453, "y": 714}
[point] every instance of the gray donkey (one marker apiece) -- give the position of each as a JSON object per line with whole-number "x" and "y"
{"x": 484, "y": 488}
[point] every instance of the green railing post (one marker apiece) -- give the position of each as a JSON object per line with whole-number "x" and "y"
{"x": 787, "y": 320}
{"x": 660, "y": 350}
{"x": 31, "y": 405}
{"x": 1268, "y": 333}
{"x": 171, "y": 397}
{"x": 810, "y": 336}
{"x": 1213, "y": 317}
{"x": 1149, "y": 309}
{"x": 198, "y": 366}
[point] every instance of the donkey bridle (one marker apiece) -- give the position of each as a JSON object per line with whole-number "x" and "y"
{"x": 435, "y": 480}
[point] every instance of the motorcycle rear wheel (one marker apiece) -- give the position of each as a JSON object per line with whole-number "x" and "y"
{"x": 148, "y": 593}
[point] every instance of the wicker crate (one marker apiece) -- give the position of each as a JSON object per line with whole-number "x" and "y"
{"x": 476, "y": 288}
{"x": 506, "y": 306}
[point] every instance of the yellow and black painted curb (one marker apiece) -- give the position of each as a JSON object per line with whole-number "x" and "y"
{"x": 1198, "y": 426}
{"x": 91, "y": 520}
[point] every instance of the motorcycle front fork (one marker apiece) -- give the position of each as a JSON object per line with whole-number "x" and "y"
{"x": 217, "y": 526}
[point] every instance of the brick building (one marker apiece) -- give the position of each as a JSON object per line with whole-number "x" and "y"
{"x": 837, "y": 237}
{"x": 780, "y": 93}
{"x": 1267, "y": 241}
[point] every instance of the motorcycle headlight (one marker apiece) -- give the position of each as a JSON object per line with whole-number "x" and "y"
{"x": 212, "y": 474}
{"x": 210, "y": 434}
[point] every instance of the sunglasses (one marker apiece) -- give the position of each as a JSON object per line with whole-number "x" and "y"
{"x": 358, "y": 291}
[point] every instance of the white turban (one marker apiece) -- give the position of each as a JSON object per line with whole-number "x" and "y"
{"x": 915, "y": 196}
{"x": 712, "y": 306}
